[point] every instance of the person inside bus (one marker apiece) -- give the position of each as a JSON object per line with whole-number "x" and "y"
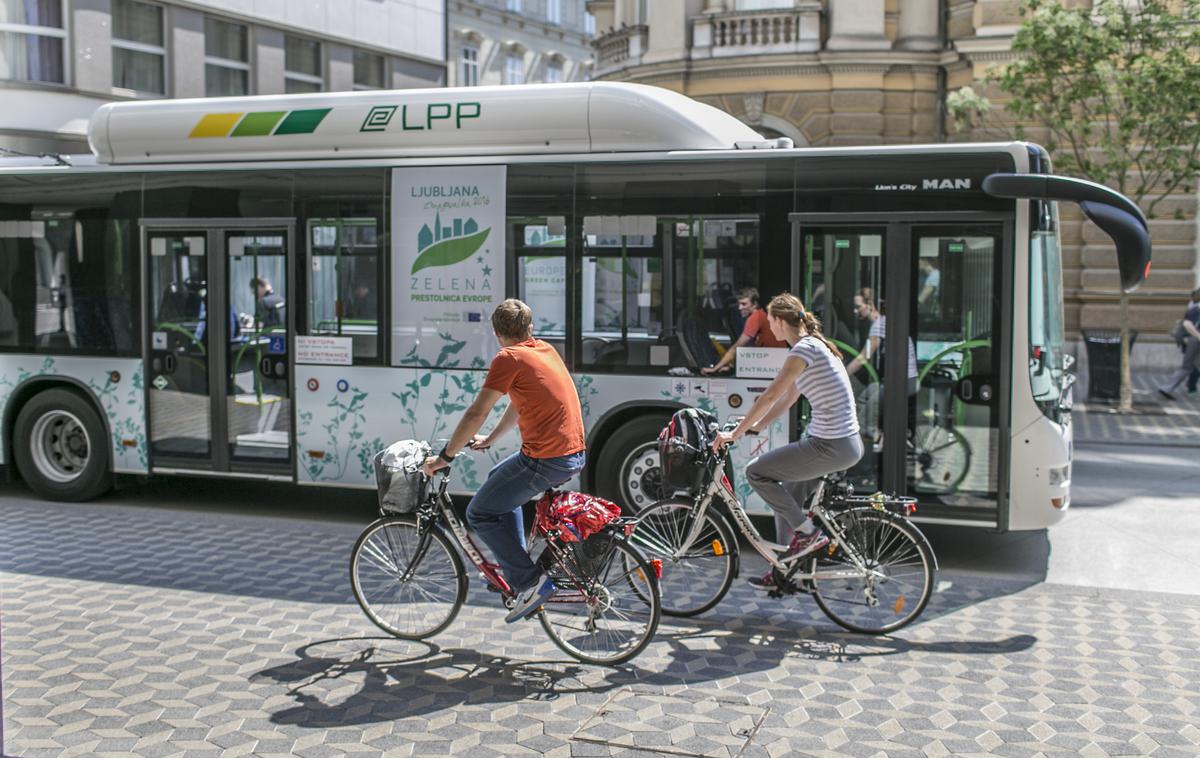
{"x": 268, "y": 309}
{"x": 544, "y": 405}
{"x": 831, "y": 441}
{"x": 930, "y": 286}
{"x": 362, "y": 303}
{"x": 756, "y": 332}
{"x": 870, "y": 407}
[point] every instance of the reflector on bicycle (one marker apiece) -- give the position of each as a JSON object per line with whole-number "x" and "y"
{"x": 575, "y": 515}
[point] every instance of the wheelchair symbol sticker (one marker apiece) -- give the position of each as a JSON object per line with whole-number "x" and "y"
{"x": 278, "y": 345}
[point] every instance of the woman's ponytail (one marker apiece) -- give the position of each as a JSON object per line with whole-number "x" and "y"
{"x": 788, "y": 308}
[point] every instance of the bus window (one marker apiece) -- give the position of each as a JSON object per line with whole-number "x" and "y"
{"x": 69, "y": 264}
{"x": 1046, "y": 362}
{"x": 622, "y": 293}
{"x": 540, "y": 247}
{"x": 341, "y": 214}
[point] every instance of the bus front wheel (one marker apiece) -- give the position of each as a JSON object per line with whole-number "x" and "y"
{"x": 59, "y": 444}
{"x": 628, "y": 471}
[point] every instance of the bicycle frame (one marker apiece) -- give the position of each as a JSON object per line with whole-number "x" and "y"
{"x": 770, "y": 551}
{"x": 427, "y": 520}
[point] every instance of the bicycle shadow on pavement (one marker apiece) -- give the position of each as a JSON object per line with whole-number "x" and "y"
{"x": 397, "y": 679}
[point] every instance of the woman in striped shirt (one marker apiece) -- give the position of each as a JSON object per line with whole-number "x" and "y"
{"x": 831, "y": 441}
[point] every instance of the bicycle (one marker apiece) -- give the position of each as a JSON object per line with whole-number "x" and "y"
{"x": 409, "y": 579}
{"x": 877, "y": 562}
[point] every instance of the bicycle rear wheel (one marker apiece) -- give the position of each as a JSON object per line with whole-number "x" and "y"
{"x": 699, "y": 579}
{"x": 408, "y": 589}
{"x": 606, "y": 616}
{"x": 897, "y": 584}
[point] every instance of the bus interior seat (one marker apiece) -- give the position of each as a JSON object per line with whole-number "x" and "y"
{"x": 696, "y": 345}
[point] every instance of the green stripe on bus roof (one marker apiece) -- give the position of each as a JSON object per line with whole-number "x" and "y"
{"x": 257, "y": 124}
{"x": 302, "y": 122}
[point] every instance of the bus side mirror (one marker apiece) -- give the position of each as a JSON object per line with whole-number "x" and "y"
{"x": 1117, "y": 215}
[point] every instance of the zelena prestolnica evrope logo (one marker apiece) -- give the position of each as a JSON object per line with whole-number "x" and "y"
{"x": 259, "y": 123}
{"x": 447, "y": 245}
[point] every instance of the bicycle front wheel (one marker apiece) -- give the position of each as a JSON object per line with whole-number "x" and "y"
{"x": 697, "y": 580}
{"x": 410, "y": 584}
{"x": 606, "y": 616}
{"x": 894, "y": 583}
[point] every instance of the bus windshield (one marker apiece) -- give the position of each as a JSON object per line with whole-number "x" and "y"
{"x": 1046, "y": 359}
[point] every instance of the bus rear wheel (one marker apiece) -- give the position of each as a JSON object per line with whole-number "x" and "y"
{"x": 59, "y": 447}
{"x": 628, "y": 471}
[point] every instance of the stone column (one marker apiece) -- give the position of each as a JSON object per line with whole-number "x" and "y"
{"x": 857, "y": 25}
{"x": 90, "y": 42}
{"x": 186, "y": 28}
{"x": 268, "y": 61}
{"x": 917, "y": 27}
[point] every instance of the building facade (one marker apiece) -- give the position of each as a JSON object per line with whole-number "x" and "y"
{"x": 61, "y": 59}
{"x": 874, "y": 72}
{"x": 518, "y": 42}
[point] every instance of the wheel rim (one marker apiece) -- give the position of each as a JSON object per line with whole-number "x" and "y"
{"x": 60, "y": 446}
{"x": 689, "y": 583}
{"x": 610, "y": 623}
{"x": 641, "y": 477}
{"x": 406, "y": 606}
{"x": 896, "y": 590}
{"x": 940, "y": 461}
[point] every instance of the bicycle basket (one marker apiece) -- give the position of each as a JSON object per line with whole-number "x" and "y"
{"x": 683, "y": 448}
{"x": 398, "y": 478}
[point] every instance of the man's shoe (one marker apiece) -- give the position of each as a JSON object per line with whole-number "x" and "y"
{"x": 1165, "y": 394}
{"x": 803, "y": 544}
{"x": 531, "y": 600}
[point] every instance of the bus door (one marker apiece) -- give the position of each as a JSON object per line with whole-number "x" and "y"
{"x": 219, "y": 389}
{"x": 916, "y": 303}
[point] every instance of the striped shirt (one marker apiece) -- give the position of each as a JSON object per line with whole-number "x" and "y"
{"x": 827, "y": 387}
{"x": 879, "y": 329}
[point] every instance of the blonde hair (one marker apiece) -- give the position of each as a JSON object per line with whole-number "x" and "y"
{"x": 788, "y": 308}
{"x": 512, "y": 319}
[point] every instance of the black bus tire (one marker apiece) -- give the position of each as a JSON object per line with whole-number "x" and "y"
{"x": 614, "y": 464}
{"x": 60, "y": 446}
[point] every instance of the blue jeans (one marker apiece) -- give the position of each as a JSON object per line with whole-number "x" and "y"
{"x": 495, "y": 511}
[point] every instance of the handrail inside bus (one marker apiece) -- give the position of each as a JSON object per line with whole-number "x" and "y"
{"x": 1120, "y": 218}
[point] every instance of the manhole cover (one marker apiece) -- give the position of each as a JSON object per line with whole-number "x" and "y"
{"x": 686, "y": 723}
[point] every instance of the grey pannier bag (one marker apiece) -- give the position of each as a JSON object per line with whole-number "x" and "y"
{"x": 398, "y": 476}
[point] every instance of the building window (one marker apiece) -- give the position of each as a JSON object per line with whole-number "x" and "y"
{"x": 514, "y": 69}
{"x": 31, "y": 40}
{"x": 368, "y": 70}
{"x": 139, "y": 57}
{"x": 226, "y": 58}
{"x": 554, "y": 11}
{"x": 513, "y": 5}
{"x": 589, "y": 24}
{"x": 302, "y": 65}
{"x": 468, "y": 67}
{"x": 554, "y": 71}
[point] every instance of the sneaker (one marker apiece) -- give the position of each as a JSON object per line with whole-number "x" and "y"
{"x": 1166, "y": 394}
{"x": 764, "y": 582}
{"x": 803, "y": 544}
{"x": 531, "y": 600}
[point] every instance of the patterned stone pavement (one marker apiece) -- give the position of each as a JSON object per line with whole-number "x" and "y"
{"x": 157, "y": 632}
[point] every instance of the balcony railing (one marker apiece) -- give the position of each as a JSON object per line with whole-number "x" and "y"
{"x": 770, "y": 32}
{"x": 620, "y": 48}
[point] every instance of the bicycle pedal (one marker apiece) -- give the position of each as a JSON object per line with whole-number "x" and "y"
{"x": 777, "y": 594}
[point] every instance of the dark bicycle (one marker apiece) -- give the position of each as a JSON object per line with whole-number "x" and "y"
{"x": 410, "y": 580}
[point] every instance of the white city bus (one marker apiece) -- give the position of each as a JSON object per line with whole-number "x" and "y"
{"x": 353, "y": 245}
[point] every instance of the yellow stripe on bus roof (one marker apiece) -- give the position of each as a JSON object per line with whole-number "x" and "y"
{"x": 215, "y": 125}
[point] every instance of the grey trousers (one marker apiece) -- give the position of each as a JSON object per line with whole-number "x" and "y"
{"x": 782, "y": 477}
{"x": 1191, "y": 358}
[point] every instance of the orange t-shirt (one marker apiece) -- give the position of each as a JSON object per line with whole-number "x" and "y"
{"x": 759, "y": 329}
{"x": 533, "y": 376}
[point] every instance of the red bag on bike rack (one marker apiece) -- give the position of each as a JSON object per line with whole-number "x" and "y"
{"x": 575, "y": 515}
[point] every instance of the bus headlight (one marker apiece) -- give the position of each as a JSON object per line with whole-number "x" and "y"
{"x": 1058, "y": 475}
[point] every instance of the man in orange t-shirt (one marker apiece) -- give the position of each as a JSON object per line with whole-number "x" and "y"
{"x": 756, "y": 332}
{"x": 545, "y": 406}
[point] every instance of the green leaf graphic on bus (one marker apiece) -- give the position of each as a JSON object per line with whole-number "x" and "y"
{"x": 450, "y": 244}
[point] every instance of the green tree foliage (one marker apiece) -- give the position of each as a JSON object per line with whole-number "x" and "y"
{"x": 1117, "y": 86}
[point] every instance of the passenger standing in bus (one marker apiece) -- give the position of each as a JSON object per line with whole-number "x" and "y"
{"x": 269, "y": 305}
{"x": 757, "y": 331}
{"x": 871, "y": 406}
{"x": 544, "y": 405}
{"x": 831, "y": 442}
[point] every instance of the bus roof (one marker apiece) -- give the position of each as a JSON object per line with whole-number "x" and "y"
{"x": 590, "y": 117}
